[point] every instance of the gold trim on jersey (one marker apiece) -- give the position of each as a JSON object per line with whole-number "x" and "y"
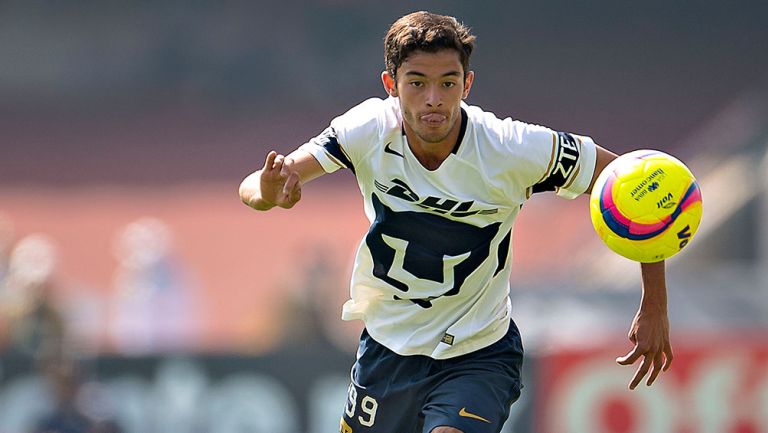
{"x": 551, "y": 158}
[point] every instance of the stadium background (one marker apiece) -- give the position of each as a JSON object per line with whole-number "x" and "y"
{"x": 125, "y": 129}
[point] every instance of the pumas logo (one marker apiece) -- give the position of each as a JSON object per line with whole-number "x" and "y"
{"x": 426, "y": 256}
{"x": 439, "y": 205}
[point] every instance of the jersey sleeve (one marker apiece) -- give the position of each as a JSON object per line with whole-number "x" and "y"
{"x": 349, "y": 137}
{"x": 560, "y": 161}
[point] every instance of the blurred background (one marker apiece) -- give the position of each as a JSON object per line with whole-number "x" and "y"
{"x": 138, "y": 295}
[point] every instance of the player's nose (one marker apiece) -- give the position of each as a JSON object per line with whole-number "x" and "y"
{"x": 434, "y": 97}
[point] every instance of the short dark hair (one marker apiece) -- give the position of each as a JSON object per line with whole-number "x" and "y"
{"x": 428, "y": 32}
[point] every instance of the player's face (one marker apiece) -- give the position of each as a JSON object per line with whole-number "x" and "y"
{"x": 430, "y": 87}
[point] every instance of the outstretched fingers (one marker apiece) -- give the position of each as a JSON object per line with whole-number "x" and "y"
{"x": 653, "y": 361}
{"x": 658, "y": 362}
{"x": 630, "y": 357}
{"x": 281, "y": 184}
{"x": 645, "y": 365}
{"x": 274, "y": 166}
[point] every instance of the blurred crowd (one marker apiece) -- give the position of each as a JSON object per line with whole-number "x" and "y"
{"x": 150, "y": 311}
{"x": 152, "y": 308}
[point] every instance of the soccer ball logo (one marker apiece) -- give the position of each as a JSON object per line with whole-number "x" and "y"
{"x": 646, "y": 205}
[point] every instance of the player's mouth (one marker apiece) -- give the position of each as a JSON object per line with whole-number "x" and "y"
{"x": 433, "y": 119}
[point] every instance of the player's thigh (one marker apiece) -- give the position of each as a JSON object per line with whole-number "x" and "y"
{"x": 476, "y": 391}
{"x": 386, "y": 392}
{"x": 372, "y": 411}
{"x": 470, "y": 404}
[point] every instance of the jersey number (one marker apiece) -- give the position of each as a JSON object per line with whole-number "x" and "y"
{"x": 368, "y": 407}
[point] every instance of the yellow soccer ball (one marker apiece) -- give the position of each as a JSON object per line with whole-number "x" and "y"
{"x": 646, "y": 205}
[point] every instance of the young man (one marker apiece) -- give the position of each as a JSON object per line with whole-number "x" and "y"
{"x": 442, "y": 184}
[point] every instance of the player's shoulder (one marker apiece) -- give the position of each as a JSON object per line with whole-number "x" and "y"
{"x": 373, "y": 114}
{"x": 504, "y": 133}
{"x": 366, "y": 124}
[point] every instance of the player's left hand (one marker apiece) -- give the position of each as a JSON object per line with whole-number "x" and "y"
{"x": 650, "y": 335}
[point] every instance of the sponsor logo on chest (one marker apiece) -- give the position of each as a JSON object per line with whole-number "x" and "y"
{"x": 440, "y": 205}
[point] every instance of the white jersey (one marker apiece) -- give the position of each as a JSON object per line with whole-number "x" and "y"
{"x": 431, "y": 276}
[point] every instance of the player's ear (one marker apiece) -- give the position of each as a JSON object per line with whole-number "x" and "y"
{"x": 468, "y": 84}
{"x": 390, "y": 85}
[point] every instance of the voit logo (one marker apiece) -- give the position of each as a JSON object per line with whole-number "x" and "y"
{"x": 666, "y": 202}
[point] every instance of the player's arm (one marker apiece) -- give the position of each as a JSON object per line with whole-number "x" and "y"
{"x": 604, "y": 157}
{"x": 649, "y": 331}
{"x": 279, "y": 181}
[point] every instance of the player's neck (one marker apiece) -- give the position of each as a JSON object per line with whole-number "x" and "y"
{"x": 432, "y": 155}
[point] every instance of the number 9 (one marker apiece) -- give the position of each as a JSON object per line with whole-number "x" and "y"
{"x": 368, "y": 405}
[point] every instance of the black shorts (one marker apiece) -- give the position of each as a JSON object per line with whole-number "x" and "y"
{"x": 392, "y": 393}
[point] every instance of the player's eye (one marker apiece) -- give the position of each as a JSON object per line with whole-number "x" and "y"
{"x": 417, "y": 84}
{"x": 449, "y": 84}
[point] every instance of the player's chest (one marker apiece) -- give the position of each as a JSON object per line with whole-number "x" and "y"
{"x": 456, "y": 189}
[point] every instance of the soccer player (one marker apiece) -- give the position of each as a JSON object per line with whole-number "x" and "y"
{"x": 442, "y": 183}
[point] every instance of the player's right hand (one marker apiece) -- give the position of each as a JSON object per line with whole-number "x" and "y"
{"x": 280, "y": 185}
